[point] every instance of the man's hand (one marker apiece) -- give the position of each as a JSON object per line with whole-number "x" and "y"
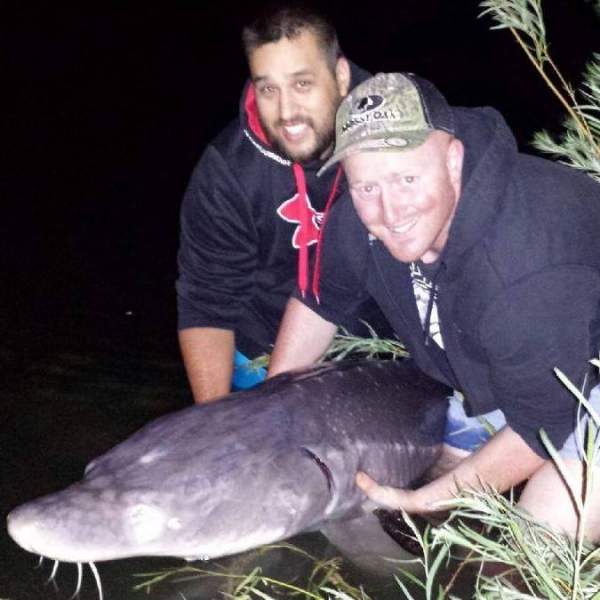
{"x": 389, "y": 497}
{"x": 504, "y": 461}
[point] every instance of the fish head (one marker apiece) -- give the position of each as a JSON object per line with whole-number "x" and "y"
{"x": 193, "y": 515}
{"x": 85, "y": 524}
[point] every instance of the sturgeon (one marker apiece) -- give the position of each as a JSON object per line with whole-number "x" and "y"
{"x": 253, "y": 468}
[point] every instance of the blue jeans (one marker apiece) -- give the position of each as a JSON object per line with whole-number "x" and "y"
{"x": 469, "y": 433}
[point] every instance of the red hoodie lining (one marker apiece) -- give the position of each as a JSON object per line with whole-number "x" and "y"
{"x": 252, "y": 115}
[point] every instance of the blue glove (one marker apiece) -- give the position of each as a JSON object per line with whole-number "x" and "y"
{"x": 244, "y": 375}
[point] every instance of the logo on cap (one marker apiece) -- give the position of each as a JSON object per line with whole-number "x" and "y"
{"x": 368, "y": 103}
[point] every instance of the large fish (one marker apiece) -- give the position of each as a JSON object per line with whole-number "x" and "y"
{"x": 252, "y": 468}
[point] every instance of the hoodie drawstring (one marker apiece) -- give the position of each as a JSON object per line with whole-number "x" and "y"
{"x": 304, "y": 218}
{"x": 304, "y": 229}
{"x": 317, "y": 266}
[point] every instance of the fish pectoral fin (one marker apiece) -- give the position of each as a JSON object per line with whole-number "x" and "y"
{"x": 395, "y": 525}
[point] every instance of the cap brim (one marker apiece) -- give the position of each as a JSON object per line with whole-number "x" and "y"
{"x": 407, "y": 141}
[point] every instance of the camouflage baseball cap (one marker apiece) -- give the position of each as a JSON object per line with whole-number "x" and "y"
{"x": 390, "y": 111}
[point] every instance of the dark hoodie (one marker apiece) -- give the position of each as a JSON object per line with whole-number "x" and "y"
{"x": 518, "y": 282}
{"x": 244, "y": 220}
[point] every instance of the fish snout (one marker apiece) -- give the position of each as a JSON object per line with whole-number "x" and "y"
{"x": 24, "y": 527}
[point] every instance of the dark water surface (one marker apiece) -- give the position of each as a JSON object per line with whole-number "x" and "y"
{"x": 73, "y": 387}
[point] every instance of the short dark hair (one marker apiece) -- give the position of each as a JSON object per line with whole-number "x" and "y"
{"x": 289, "y": 20}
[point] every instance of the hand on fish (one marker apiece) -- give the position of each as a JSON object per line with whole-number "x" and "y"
{"x": 390, "y": 497}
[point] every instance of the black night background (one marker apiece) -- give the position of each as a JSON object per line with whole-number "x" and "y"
{"x": 106, "y": 107}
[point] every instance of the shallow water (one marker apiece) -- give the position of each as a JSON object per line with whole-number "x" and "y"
{"x": 74, "y": 387}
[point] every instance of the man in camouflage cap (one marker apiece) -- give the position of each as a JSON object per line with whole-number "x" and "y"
{"x": 486, "y": 262}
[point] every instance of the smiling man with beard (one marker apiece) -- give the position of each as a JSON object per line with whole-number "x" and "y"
{"x": 254, "y": 205}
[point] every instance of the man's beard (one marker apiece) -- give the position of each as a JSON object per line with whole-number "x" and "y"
{"x": 324, "y": 137}
{"x": 323, "y": 143}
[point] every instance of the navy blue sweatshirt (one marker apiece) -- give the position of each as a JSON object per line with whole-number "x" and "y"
{"x": 518, "y": 281}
